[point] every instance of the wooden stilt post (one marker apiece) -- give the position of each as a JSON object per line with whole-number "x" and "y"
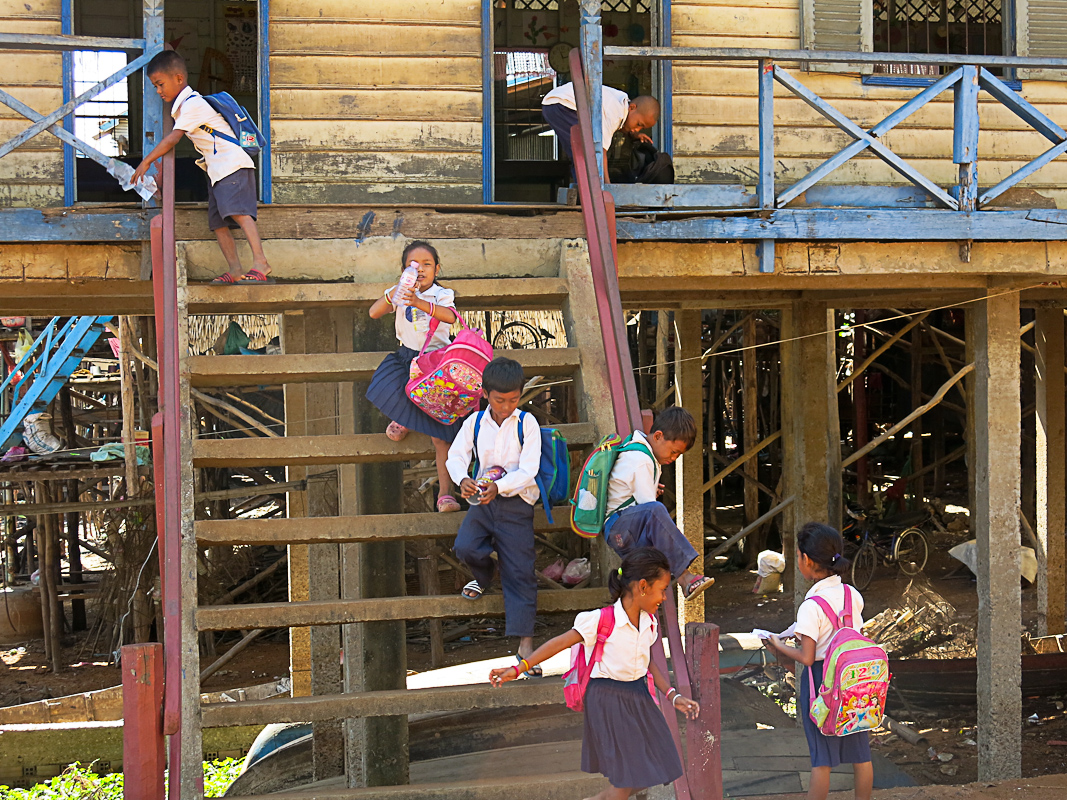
{"x": 994, "y": 330}
{"x": 750, "y": 400}
{"x": 859, "y": 406}
{"x": 1051, "y": 478}
{"x": 704, "y": 734}
{"x": 143, "y": 752}
{"x": 919, "y": 484}
{"x": 689, "y": 470}
{"x": 663, "y": 332}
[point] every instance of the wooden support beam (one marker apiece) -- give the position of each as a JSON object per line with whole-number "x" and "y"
{"x": 896, "y": 337}
{"x": 741, "y": 460}
{"x": 343, "y": 612}
{"x": 1051, "y": 474}
{"x": 752, "y": 526}
{"x": 750, "y": 415}
{"x": 915, "y": 414}
{"x": 689, "y": 468}
{"x": 994, "y": 330}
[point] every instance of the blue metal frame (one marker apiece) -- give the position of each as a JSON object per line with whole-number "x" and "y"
{"x": 666, "y": 103}
{"x": 488, "y": 145}
{"x": 69, "y": 162}
{"x": 266, "y": 190}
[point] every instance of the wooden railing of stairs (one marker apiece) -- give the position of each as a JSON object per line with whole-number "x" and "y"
{"x": 599, "y": 362}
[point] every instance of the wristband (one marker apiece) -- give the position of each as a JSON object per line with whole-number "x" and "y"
{"x": 526, "y": 666}
{"x": 433, "y": 308}
{"x": 388, "y": 299}
{"x": 676, "y": 694}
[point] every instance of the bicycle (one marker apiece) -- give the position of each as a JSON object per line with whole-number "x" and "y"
{"x": 519, "y": 335}
{"x": 898, "y": 540}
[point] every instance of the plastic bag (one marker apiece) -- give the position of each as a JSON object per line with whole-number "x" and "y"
{"x": 577, "y": 571}
{"x": 769, "y": 562}
{"x": 37, "y": 433}
{"x": 23, "y": 345}
{"x": 554, "y": 571}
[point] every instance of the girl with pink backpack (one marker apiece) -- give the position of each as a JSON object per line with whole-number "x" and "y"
{"x": 424, "y": 311}
{"x": 819, "y": 636}
{"x": 625, "y": 736}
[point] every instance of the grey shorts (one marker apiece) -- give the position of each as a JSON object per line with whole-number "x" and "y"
{"x": 232, "y": 196}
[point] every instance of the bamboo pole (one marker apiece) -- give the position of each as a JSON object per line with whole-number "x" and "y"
{"x": 750, "y": 399}
{"x": 752, "y": 526}
{"x": 896, "y": 337}
{"x": 129, "y": 438}
{"x": 225, "y": 658}
{"x": 740, "y": 460}
{"x": 918, "y": 412}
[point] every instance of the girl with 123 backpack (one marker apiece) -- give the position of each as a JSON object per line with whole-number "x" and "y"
{"x": 819, "y": 559}
{"x": 416, "y": 306}
{"x": 625, "y": 736}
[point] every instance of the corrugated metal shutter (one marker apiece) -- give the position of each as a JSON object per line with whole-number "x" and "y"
{"x": 837, "y": 25}
{"x": 1041, "y": 31}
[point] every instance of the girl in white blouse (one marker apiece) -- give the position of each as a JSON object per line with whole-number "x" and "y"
{"x": 625, "y": 735}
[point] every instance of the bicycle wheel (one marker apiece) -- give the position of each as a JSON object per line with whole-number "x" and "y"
{"x": 911, "y": 550}
{"x": 516, "y": 336}
{"x": 863, "y": 566}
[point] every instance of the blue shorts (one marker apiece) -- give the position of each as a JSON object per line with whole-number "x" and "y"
{"x": 232, "y": 196}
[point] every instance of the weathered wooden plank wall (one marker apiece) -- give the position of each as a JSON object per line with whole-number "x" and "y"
{"x": 715, "y": 130}
{"x": 33, "y": 174}
{"x": 376, "y": 101}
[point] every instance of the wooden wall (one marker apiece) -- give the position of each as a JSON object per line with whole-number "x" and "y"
{"x": 33, "y": 174}
{"x": 376, "y": 101}
{"x": 715, "y": 113}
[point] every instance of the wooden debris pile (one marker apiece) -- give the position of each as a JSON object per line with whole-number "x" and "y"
{"x": 922, "y": 624}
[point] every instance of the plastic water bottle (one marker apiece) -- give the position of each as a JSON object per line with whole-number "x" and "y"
{"x": 408, "y": 279}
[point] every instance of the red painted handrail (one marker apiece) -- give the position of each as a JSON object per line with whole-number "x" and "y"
{"x": 598, "y": 214}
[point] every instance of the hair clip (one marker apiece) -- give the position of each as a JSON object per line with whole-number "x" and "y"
{"x": 620, "y": 572}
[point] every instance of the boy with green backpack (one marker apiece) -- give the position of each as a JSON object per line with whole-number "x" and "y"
{"x": 625, "y": 507}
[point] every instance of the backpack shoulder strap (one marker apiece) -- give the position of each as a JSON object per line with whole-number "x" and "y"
{"x": 474, "y": 449}
{"x": 603, "y": 631}
{"x": 522, "y": 420}
{"x": 835, "y": 619}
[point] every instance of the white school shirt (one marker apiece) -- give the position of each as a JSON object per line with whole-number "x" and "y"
{"x": 635, "y": 474}
{"x": 626, "y": 650}
{"x": 812, "y": 620}
{"x": 412, "y": 332}
{"x": 220, "y": 157}
{"x": 614, "y": 107}
{"x": 498, "y": 446}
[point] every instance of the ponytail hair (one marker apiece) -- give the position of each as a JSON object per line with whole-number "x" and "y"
{"x": 824, "y": 546}
{"x": 644, "y": 563}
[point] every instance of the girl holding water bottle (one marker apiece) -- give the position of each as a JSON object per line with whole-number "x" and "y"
{"x": 416, "y": 299}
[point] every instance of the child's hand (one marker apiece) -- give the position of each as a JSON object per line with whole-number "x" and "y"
{"x": 773, "y": 643}
{"x": 489, "y": 492}
{"x": 468, "y": 488}
{"x": 659, "y": 489}
{"x": 688, "y": 707}
{"x": 502, "y": 675}
{"x": 139, "y": 173}
{"x": 407, "y": 296}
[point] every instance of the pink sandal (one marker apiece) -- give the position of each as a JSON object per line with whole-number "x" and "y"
{"x": 225, "y": 278}
{"x": 255, "y": 276}
{"x": 396, "y": 431}
{"x": 447, "y": 503}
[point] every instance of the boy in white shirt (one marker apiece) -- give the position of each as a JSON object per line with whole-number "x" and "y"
{"x": 618, "y": 113}
{"x": 501, "y": 509}
{"x": 636, "y": 518}
{"x": 230, "y": 170}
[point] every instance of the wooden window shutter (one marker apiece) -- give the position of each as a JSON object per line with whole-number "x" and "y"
{"x": 1041, "y": 32}
{"x": 838, "y": 25}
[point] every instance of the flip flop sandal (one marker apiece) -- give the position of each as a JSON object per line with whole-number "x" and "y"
{"x": 698, "y": 585}
{"x": 255, "y": 276}
{"x": 396, "y": 431}
{"x": 534, "y": 672}
{"x": 225, "y": 278}
{"x": 447, "y": 503}
{"x": 475, "y": 590}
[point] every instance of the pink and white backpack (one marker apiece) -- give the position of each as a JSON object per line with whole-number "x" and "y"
{"x": 855, "y": 679}
{"x": 447, "y": 383}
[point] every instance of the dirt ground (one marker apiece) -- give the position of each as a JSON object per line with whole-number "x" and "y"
{"x": 951, "y": 733}
{"x": 1052, "y": 787}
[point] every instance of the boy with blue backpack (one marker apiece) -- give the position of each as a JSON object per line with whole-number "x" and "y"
{"x": 226, "y": 137}
{"x": 503, "y": 444}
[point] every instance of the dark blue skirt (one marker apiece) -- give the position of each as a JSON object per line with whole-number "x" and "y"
{"x": 626, "y": 738}
{"x": 829, "y": 751}
{"x": 387, "y": 391}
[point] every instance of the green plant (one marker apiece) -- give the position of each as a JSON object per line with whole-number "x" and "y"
{"x": 79, "y": 782}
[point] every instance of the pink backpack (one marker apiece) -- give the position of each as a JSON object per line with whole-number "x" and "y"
{"x": 447, "y": 383}
{"x": 855, "y": 677}
{"x": 576, "y": 679}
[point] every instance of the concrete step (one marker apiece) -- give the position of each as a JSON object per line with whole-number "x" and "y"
{"x": 229, "y": 371}
{"x": 357, "y": 448}
{"x": 247, "y": 616}
{"x": 344, "y": 530}
{"x": 472, "y": 293}
{"x": 560, "y": 786}
{"x": 394, "y": 702}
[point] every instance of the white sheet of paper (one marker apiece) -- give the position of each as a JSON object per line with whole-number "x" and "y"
{"x": 123, "y": 173}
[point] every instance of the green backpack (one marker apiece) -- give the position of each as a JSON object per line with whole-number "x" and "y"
{"x": 589, "y": 506}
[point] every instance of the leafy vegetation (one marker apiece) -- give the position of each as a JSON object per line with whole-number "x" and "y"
{"x": 79, "y": 782}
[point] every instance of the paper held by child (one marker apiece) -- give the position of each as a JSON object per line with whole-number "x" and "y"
{"x": 762, "y": 634}
{"x": 123, "y": 173}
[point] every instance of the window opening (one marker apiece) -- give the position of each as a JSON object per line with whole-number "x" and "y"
{"x": 103, "y": 121}
{"x": 521, "y": 132}
{"x": 959, "y": 27}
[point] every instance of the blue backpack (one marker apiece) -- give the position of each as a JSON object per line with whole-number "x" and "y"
{"x": 553, "y": 476}
{"x": 246, "y": 134}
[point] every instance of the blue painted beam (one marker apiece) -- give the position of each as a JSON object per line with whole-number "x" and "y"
{"x": 765, "y": 253}
{"x": 151, "y": 102}
{"x": 838, "y": 196}
{"x": 20, "y": 225}
{"x": 674, "y": 195}
{"x": 488, "y": 140}
{"x": 1022, "y": 109}
{"x": 59, "y": 43}
{"x": 1023, "y": 173}
{"x": 765, "y": 189}
{"x": 900, "y": 225}
{"x": 265, "y": 167}
{"x": 965, "y": 137}
{"x": 70, "y": 194}
{"x": 591, "y": 41}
